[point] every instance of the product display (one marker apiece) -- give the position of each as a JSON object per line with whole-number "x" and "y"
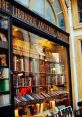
{"x": 4, "y": 100}
{"x": 4, "y": 23}
{"x": 3, "y": 37}
{"x": 3, "y": 60}
{"x": 4, "y": 63}
{"x": 39, "y": 74}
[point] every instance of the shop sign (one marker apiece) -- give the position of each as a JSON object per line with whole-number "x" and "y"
{"x": 33, "y": 21}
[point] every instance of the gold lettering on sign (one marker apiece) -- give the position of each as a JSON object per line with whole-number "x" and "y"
{"x": 25, "y": 17}
{"x": 19, "y": 14}
{"x": 7, "y": 6}
{"x": 31, "y": 20}
{"x": 35, "y": 22}
{"x": 22, "y": 15}
{"x": 3, "y": 4}
{"x": 15, "y": 13}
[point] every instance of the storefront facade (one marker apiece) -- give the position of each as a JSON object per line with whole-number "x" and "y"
{"x": 34, "y": 60}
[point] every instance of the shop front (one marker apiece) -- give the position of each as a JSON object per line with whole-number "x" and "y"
{"x": 34, "y": 63}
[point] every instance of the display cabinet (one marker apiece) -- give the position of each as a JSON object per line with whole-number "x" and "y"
{"x": 5, "y": 78}
{"x": 4, "y": 62}
{"x": 39, "y": 73}
{"x": 34, "y": 66}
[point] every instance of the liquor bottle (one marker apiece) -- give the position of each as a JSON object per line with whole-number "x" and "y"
{"x": 4, "y": 85}
{"x": 26, "y": 64}
{"x": 6, "y": 99}
{"x": 15, "y": 63}
{"x": 3, "y": 60}
{"x": 5, "y": 73}
{"x": 22, "y": 64}
{"x": 1, "y": 69}
{"x": 3, "y": 37}
{"x": 29, "y": 81}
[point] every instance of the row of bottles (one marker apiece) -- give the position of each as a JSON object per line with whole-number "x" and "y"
{"x": 4, "y": 63}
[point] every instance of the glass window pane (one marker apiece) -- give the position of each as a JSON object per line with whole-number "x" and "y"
{"x": 80, "y": 10}
{"x": 49, "y": 13}
{"x": 23, "y": 2}
{"x": 44, "y": 69}
{"x": 80, "y": 16}
{"x": 38, "y": 7}
{"x": 57, "y": 6}
{"x": 61, "y": 21}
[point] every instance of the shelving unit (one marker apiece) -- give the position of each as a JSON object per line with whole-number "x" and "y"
{"x": 3, "y": 45}
{"x": 5, "y": 91}
{"x": 31, "y": 78}
{"x": 35, "y": 77}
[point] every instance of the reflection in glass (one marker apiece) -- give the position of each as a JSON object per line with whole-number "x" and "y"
{"x": 57, "y": 6}
{"x": 49, "y": 13}
{"x": 39, "y": 56}
{"x": 61, "y": 21}
{"x": 23, "y": 2}
{"x": 38, "y": 7}
{"x": 80, "y": 10}
{"x": 40, "y": 68}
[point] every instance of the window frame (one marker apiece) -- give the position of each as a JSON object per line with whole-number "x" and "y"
{"x": 76, "y": 22}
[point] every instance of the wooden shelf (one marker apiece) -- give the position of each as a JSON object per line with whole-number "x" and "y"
{"x": 61, "y": 63}
{"x": 61, "y": 85}
{"x": 4, "y": 78}
{"x": 3, "y": 30}
{"x": 41, "y": 101}
{"x": 4, "y": 92}
{"x": 41, "y": 85}
{"x": 32, "y": 86}
{"x": 54, "y": 74}
{"x": 3, "y": 45}
{"x": 22, "y": 72}
{"x": 3, "y": 66}
{"x": 20, "y": 87}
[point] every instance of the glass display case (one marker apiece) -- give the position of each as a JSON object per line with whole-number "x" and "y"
{"x": 4, "y": 62}
{"x": 40, "y": 73}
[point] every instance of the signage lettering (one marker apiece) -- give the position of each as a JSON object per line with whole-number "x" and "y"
{"x": 27, "y": 18}
{"x": 5, "y": 5}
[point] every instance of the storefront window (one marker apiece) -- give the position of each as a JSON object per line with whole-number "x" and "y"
{"x": 59, "y": 14}
{"x": 61, "y": 21}
{"x": 40, "y": 72}
{"x": 79, "y": 2}
{"x": 49, "y": 13}
{"x": 38, "y": 7}
{"x": 57, "y": 6}
{"x": 43, "y": 8}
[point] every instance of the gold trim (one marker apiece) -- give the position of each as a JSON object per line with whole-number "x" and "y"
{"x": 65, "y": 15}
{"x": 79, "y": 64}
{"x": 54, "y": 11}
{"x": 77, "y": 24}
